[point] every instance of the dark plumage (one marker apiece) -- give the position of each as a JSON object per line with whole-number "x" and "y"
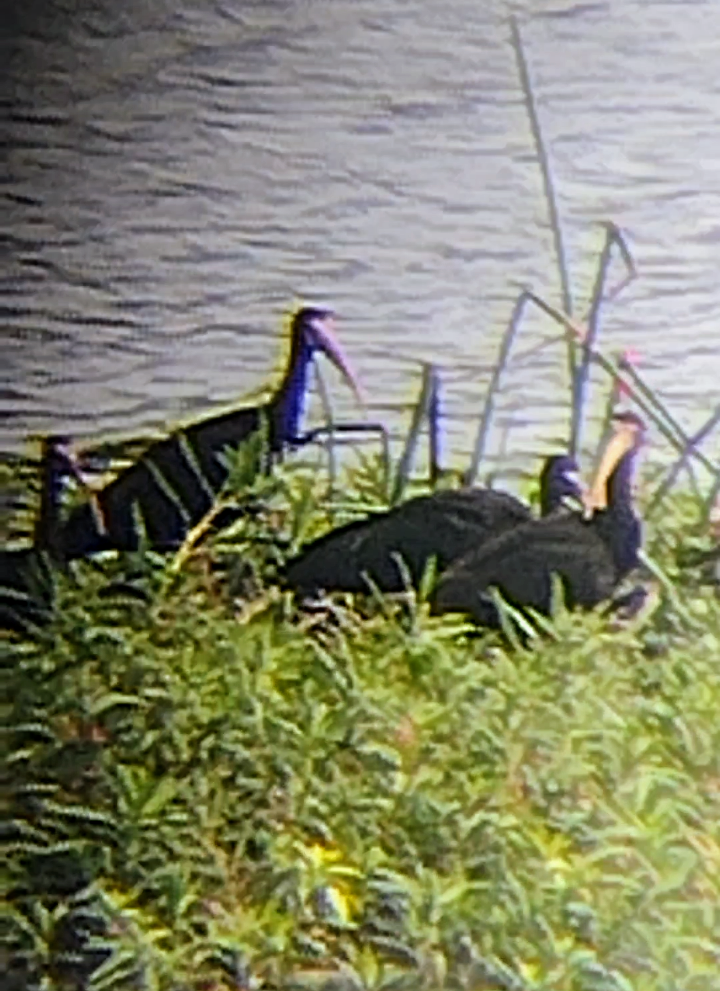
{"x": 444, "y": 524}
{"x": 26, "y": 587}
{"x": 176, "y": 480}
{"x": 590, "y": 555}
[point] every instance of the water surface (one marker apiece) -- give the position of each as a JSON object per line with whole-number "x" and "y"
{"x": 176, "y": 174}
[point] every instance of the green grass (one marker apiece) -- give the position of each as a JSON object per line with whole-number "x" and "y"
{"x": 210, "y": 790}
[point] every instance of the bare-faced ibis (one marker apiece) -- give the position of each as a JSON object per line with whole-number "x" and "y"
{"x": 442, "y": 525}
{"x": 176, "y": 480}
{"x": 25, "y": 573}
{"x": 591, "y": 554}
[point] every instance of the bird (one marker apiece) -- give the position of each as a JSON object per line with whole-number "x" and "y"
{"x": 443, "y": 524}
{"x": 26, "y": 590}
{"x": 591, "y": 551}
{"x": 176, "y": 480}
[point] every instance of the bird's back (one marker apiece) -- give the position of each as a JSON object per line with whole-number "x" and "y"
{"x": 13, "y": 565}
{"x": 521, "y": 563}
{"x": 442, "y": 525}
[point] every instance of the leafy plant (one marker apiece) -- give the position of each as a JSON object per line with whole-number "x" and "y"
{"x": 208, "y": 789}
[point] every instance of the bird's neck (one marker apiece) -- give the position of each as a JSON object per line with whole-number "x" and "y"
{"x": 557, "y": 495}
{"x": 623, "y": 527}
{"x": 46, "y": 535}
{"x": 620, "y": 485}
{"x": 290, "y": 398}
{"x": 552, "y": 499}
{"x": 623, "y": 535}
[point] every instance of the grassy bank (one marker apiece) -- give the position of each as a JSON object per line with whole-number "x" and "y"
{"x": 210, "y": 790}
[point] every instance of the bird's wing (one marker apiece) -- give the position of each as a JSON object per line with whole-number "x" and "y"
{"x": 521, "y": 563}
{"x": 443, "y": 526}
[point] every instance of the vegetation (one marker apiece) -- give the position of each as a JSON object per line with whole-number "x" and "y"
{"x": 209, "y": 789}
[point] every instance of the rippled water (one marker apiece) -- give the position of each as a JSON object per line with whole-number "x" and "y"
{"x": 178, "y": 172}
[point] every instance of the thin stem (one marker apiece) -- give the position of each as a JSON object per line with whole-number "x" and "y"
{"x": 195, "y": 535}
{"x": 613, "y": 237}
{"x": 643, "y": 398}
{"x": 411, "y": 442}
{"x": 672, "y": 424}
{"x": 610, "y": 404}
{"x": 434, "y": 425}
{"x": 548, "y": 185}
{"x": 499, "y": 368}
{"x": 682, "y": 462}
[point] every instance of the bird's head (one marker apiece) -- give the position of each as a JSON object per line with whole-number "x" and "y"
{"x": 560, "y": 480}
{"x": 58, "y": 454}
{"x": 61, "y": 462}
{"x": 629, "y": 431}
{"x": 315, "y": 327}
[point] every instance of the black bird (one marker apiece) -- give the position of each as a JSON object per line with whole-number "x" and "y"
{"x": 590, "y": 555}
{"x": 444, "y": 525}
{"x": 175, "y": 482}
{"x": 26, "y": 589}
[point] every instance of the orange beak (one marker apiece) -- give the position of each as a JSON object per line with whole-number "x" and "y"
{"x": 628, "y": 435}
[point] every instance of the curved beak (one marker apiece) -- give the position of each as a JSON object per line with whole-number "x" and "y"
{"x": 573, "y": 477}
{"x": 575, "y": 482}
{"x": 327, "y": 342}
{"x": 628, "y": 435}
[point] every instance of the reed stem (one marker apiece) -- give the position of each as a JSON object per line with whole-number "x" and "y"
{"x": 499, "y": 368}
{"x": 548, "y": 185}
{"x": 357, "y": 427}
{"x": 682, "y": 462}
{"x": 610, "y": 404}
{"x": 434, "y": 426}
{"x": 411, "y": 442}
{"x": 613, "y": 237}
{"x": 643, "y": 397}
{"x": 195, "y": 534}
{"x": 683, "y": 439}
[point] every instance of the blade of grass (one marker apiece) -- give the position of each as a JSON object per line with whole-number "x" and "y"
{"x": 657, "y": 572}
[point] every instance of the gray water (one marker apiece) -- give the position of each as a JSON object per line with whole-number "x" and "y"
{"x": 177, "y": 173}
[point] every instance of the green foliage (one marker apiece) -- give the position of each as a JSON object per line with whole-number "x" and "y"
{"x": 207, "y": 789}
